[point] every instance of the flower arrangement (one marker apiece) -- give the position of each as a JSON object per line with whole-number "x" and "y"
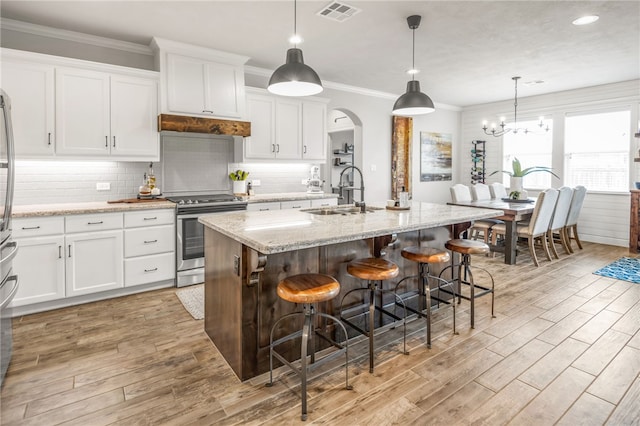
{"x": 238, "y": 175}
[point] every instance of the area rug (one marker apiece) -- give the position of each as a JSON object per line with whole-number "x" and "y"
{"x": 626, "y": 269}
{"x": 192, "y": 299}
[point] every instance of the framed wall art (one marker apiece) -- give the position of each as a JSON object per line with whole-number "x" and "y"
{"x": 435, "y": 157}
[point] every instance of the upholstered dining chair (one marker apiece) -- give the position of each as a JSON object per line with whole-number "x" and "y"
{"x": 538, "y": 226}
{"x": 579, "y": 193}
{"x": 559, "y": 220}
{"x": 498, "y": 191}
{"x": 480, "y": 191}
{"x": 462, "y": 193}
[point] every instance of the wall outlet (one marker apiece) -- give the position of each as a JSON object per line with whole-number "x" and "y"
{"x": 374, "y": 168}
{"x": 103, "y": 186}
{"x": 255, "y": 182}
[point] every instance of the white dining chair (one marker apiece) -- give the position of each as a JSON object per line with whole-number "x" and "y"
{"x": 462, "y": 193}
{"x": 498, "y": 191}
{"x": 559, "y": 221}
{"x": 538, "y": 226}
{"x": 480, "y": 191}
{"x": 579, "y": 193}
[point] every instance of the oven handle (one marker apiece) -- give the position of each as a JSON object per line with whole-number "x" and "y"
{"x": 194, "y": 215}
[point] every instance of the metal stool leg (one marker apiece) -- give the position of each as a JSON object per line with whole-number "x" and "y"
{"x": 372, "y": 309}
{"x": 308, "y": 316}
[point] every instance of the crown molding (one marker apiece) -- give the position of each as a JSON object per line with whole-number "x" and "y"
{"x": 263, "y": 72}
{"x": 41, "y": 30}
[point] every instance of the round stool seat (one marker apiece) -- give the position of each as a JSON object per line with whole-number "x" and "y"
{"x": 425, "y": 254}
{"x": 467, "y": 246}
{"x": 373, "y": 268}
{"x": 308, "y": 288}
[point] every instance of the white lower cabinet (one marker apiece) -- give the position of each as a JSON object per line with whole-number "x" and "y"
{"x": 297, "y": 204}
{"x": 62, "y": 257}
{"x": 149, "y": 247}
{"x": 262, "y": 207}
{"x": 40, "y": 260}
{"x": 292, "y": 204}
{"x": 324, "y": 202}
{"x": 94, "y": 262}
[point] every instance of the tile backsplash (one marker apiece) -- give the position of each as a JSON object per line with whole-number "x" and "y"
{"x": 47, "y": 182}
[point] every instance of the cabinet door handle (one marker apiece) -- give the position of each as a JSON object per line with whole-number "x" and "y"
{"x": 151, "y": 241}
{"x": 95, "y": 223}
{"x": 69, "y": 250}
{"x": 273, "y": 147}
{"x": 114, "y": 141}
{"x": 304, "y": 149}
{"x": 277, "y": 147}
{"x": 59, "y": 252}
{"x": 49, "y": 139}
{"x": 151, "y": 270}
{"x": 150, "y": 218}
{"x": 25, "y": 228}
{"x": 106, "y": 141}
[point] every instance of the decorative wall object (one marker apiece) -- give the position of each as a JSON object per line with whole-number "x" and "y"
{"x": 401, "y": 155}
{"x": 435, "y": 157}
{"x": 478, "y": 154}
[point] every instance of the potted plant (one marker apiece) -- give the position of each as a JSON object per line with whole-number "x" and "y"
{"x": 516, "y": 175}
{"x": 239, "y": 178}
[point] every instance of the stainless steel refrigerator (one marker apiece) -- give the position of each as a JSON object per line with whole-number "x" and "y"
{"x": 8, "y": 248}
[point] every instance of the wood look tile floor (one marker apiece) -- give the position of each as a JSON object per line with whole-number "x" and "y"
{"x": 564, "y": 348}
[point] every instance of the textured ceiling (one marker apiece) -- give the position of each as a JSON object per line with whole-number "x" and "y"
{"x": 467, "y": 51}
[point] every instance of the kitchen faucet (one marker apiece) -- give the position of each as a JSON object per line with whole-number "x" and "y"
{"x": 341, "y": 187}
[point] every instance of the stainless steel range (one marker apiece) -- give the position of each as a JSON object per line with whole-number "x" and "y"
{"x": 190, "y": 233}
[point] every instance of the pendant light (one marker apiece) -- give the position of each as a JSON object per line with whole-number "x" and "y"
{"x": 294, "y": 78}
{"x": 413, "y": 102}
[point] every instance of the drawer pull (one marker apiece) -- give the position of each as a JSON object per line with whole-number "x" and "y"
{"x": 151, "y": 270}
{"x": 264, "y": 210}
{"x": 151, "y": 218}
{"x": 151, "y": 241}
{"x": 207, "y": 111}
{"x": 25, "y": 228}
{"x": 296, "y": 207}
{"x": 95, "y": 223}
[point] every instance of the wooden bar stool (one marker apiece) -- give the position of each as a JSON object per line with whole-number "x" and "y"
{"x": 374, "y": 270}
{"x": 466, "y": 248}
{"x": 308, "y": 289}
{"x": 425, "y": 256}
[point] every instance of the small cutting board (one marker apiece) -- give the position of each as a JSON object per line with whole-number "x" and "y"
{"x": 136, "y": 200}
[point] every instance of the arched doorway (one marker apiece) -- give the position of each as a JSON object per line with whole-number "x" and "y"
{"x": 345, "y": 148}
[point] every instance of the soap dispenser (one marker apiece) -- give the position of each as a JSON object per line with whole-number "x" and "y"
{"x": 404, "y": 199}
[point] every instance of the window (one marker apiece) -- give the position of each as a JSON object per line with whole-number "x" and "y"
{"x": 532, "y": 149}
{"x": 597, "y": 150}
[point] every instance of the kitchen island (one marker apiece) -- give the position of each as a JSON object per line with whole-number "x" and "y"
{"x": 248, "y": 253}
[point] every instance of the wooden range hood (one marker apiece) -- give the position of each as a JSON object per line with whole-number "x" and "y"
{"x": 212, "y": 126}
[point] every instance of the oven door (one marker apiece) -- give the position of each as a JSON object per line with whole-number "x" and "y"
{"x": 190, "y": 242}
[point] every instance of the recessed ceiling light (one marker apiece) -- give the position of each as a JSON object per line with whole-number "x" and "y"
{"x": 585, "y": 20}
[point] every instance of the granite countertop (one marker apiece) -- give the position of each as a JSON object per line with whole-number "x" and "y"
{"x": 289, "y": 196}
{"x": 279, "y": 231}
{"x": 37, "y": 210}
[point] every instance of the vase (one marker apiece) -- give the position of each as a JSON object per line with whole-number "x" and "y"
{"x": 515, "y": 185}
{"x": 240, "y": 187}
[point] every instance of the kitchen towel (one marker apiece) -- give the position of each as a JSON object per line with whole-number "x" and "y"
{"x": 625, "y": 268}
{"x": 192, "y": 299}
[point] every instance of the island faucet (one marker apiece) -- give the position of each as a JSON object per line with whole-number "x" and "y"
{"x": 361, "y": 182}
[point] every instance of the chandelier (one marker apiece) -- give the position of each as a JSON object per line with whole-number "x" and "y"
{"x": 493, "y": 130}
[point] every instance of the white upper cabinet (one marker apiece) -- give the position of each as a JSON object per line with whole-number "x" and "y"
{"x": 200, "y": 81}
{"x": 285, "y": 128}
{"x": 134, "y": 115}
{"x": 30, "y": 87}
{"x": 100, "y": 114}
{"x": 82, "y": 112}
{"x": 68, "y": 108}
{"x": 314, "y": 131}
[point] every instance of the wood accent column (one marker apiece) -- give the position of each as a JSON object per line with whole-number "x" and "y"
{"x": 634, "y": 222}
{"x": 401, "y": 155}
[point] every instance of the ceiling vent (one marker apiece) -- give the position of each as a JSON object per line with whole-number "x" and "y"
{"x": 338, "y": 11}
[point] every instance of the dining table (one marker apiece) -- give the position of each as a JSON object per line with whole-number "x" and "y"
{"x": 514, "y": 211}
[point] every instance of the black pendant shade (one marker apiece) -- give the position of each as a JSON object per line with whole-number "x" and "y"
{"x": 413, "y": 102}
{"x": 295, "y": 78}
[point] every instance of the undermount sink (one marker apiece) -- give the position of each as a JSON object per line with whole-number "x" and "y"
{"x": 341, "y": 210}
